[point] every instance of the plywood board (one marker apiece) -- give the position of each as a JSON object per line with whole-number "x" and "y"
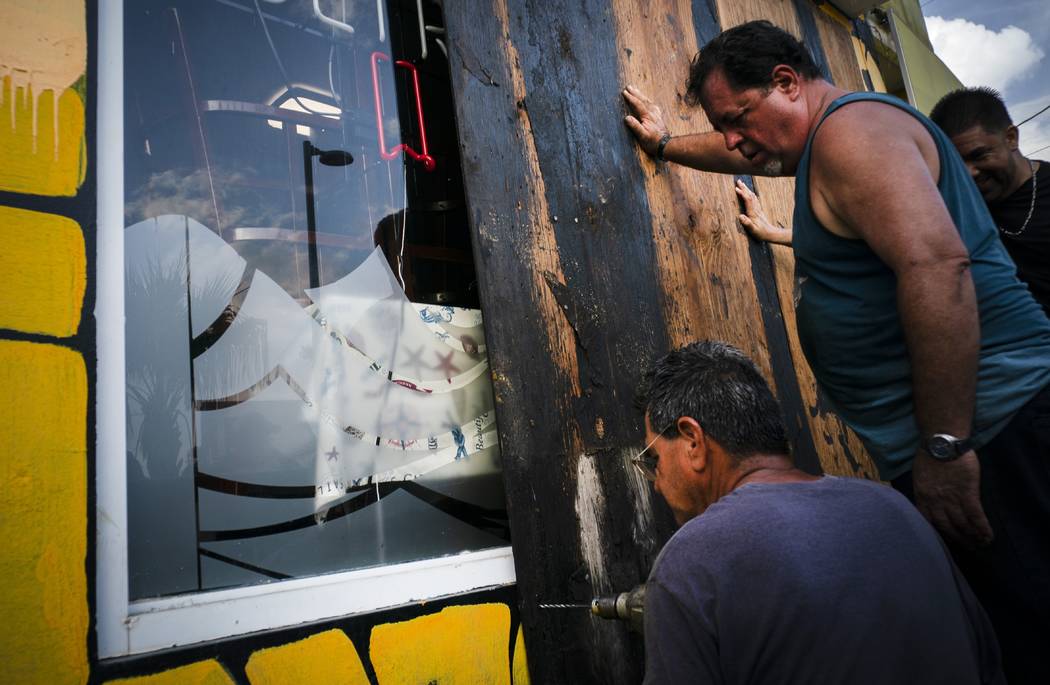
{"x": 838, "y": 44}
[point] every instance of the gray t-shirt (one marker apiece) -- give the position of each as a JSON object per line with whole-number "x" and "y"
{"x": 838, "y": 580}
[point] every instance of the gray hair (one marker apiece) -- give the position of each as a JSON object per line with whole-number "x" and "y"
{"x": 718, "y": 386}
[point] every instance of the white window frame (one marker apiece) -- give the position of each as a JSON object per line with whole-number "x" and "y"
{"x": 126, "y": 627}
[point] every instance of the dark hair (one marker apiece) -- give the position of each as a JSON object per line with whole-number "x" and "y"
{"x": 747, "y": 54}
{"x": 716, "y": 384}
{"x": 961, "y": 110}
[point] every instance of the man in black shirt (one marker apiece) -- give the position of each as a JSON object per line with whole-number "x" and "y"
{"x": 1016, "y": 189}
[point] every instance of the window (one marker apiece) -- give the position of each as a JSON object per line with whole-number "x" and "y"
{"x": 295, "y": 417}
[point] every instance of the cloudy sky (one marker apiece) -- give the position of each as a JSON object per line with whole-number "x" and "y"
{"x": 1005, "y": 45}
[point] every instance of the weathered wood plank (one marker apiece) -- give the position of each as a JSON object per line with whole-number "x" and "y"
{"x": 701, "y": 252}
{"x": 718, "y": 283}
{"x": 560, "y": 258}
{"x": 838, "y": 43}
{"x": 592, "y": 261}
{"x": 780, "y": 12}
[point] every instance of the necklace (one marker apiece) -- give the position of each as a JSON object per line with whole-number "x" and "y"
{"x": 1031, "y": 207}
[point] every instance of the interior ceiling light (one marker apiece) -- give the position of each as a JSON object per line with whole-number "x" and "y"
{"x": 315, "y": 107}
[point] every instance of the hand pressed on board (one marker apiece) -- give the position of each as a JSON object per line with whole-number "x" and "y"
{"x": 646, "y": 121}
{"x": 755, "y": 221}
{"x": 948, "y": 494}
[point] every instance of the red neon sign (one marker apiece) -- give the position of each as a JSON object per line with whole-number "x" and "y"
{"x": 423, "y": 157}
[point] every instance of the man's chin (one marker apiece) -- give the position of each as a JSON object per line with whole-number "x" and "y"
{"x": 991, "y": 190}
{"x": 773, "y": 167}
{"x": 992, "y": 193}
{"x": 683, "y": 517}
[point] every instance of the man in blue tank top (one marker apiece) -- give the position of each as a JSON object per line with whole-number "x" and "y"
{"x": 911, "y": 315}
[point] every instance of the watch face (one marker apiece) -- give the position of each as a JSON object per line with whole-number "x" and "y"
{"x": 940, "y": 447}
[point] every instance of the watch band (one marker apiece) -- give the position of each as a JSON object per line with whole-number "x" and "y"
{"x": 661, "y": 145}
{"x": 945, "y": 447}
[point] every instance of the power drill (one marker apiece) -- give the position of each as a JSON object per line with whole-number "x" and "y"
{"x": 624, "y": 606}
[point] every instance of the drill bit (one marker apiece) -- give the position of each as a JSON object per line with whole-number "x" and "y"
{"x": 565, "y": 606}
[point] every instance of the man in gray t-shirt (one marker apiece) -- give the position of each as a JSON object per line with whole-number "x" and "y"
{"x": 778, "y": 576}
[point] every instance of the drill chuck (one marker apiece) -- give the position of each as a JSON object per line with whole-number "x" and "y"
{"x": 625, "y": 606}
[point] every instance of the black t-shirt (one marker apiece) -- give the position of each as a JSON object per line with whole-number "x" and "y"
{"x": 1030, "y": 249}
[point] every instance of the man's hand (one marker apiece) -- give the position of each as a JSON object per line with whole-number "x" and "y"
{"x": 948, "y": 494}
{"x": 755, "y": 221}
{"x": 647, "y": 123}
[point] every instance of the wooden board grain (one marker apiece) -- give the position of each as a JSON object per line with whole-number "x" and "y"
{"x": 592, "y": 261}
{"x": 780, "y": 12}
{"x": 719, "y": 284}
{"x": 838, "y": 44}
{"x": 573, "y": 313}
{"x": 701, "y": 250}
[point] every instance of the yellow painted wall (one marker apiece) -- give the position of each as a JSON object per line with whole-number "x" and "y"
{"x": 464, "y": 645}
{"x": 44, "y": 272}
{"x": 43, "y": 54}
{"x": 328, "y": 657}
{"x": 519, "y": 667}
{"x": 43, "y": 387}
{"x": 43, "y": 514}
{"x": 200, "y": 673}
{"x": 49, "y": 161}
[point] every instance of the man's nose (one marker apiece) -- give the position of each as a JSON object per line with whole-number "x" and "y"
{"x": 972, "y": 169}
{"x": 733, "y": 140}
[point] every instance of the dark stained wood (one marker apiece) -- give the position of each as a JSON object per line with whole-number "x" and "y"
{"x": 592, "y": 260}
{"x": 785, "y": 375}
{"x": 573, "y": 313}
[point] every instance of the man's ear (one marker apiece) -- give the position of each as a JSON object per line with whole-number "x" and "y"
{"x": 786, "y": 80}
{"x": 1012, "y": 137}
{"x": 696, "y": 442}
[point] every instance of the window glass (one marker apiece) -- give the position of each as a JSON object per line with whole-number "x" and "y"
{"x": 307, "y": 378}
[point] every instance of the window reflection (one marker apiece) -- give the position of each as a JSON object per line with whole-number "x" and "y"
{"x": 307, "y": 383}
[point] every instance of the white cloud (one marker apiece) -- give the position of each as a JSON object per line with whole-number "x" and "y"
{"x": 980, "y": 56}
{"x": 1035, "y": 135}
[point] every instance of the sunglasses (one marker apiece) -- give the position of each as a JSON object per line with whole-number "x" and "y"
{"x": 645, "y": 461}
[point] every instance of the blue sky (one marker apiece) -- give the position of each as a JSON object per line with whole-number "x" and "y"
{"x": 1004, "y": 44}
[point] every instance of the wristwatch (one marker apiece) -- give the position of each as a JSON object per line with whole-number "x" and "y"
{"x": 664, "y": 140}
{"x": 944, "y": 447}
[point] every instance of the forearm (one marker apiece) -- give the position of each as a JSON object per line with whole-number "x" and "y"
{"x": 708, "y": 152}
{"x": 701, "y": 151}
{"x": 938, "y": 311}
{"x": 774, "y": 234}
{"x": 939, "y": 314}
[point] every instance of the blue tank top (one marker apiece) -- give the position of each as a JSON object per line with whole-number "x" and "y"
{"x": 851, "y": 332}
